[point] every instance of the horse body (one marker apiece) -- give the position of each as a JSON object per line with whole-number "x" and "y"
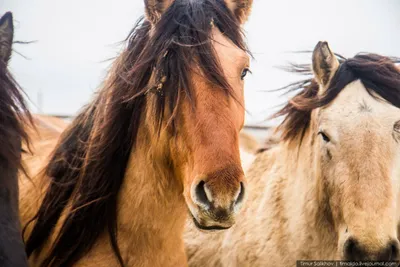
{"x": 13, "y": 114}
{"x": 118, "y": 185}
{"x": 321, "y": 193}
{"x": 137, "y": 238}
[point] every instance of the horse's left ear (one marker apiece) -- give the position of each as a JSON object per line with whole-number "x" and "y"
{"x": 241, "y": 8}
{"x": 324, "y": 63}
{"x": 6, "y": 36}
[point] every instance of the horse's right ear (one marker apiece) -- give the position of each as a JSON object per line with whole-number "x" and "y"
{"x": 324, "y": 63}
{"x": 155, "y": 8}
{"x": 6, "y": 36}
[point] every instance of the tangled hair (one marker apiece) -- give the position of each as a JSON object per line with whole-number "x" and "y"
{"x": 14, "y": 116}
{"x": 88, "y": 165}
{"x": 379, "y": 75}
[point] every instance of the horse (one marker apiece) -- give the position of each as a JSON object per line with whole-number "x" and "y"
{"x": 329, "y": 190}
{"x": 14, "y": 115}
{"x": 159, "y": 142}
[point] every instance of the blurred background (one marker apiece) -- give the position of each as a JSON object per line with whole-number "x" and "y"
{"x": 75, "y": 38}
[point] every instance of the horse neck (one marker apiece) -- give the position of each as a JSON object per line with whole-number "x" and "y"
{"x": 151, "y": 208}
{"x": 307, "y": 202}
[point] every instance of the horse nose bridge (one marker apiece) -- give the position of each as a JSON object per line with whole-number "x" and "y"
{"x": 362, "y": 190}
{"x": 217, "y": 157}
{"x": 216, "y": 149}
{"x": 225, "y": 182}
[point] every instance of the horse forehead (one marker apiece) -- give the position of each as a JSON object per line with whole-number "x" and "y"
{"x": 226, "y": 49}
{"x": 354, "y": 107}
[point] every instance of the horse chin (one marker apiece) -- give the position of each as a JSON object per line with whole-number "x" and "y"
{"x": 208, "y": 228}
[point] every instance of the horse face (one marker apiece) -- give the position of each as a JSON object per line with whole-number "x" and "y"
{"x": 358, "y": 157}
{"x": 205, "y": 145}
{"x": 214, "y": 183}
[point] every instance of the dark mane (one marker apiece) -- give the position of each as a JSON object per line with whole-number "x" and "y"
{"x": 14, "y": 115}
{"x": 88, "y": 165}
{"x": 379, "y": 74}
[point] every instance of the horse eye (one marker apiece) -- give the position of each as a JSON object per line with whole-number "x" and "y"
{"x": 396, "y": 127}
{"x": 244, "y": 73}
{"x": 324, "y": 137}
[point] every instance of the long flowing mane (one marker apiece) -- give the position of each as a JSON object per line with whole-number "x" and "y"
{"x": 379, "y": 74}
{"x": 14, "y": 117}
{"x": 88, "y": 165}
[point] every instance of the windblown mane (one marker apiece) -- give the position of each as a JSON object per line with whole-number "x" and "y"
{"x": 379, "y": 74}
{"x": 14, "y": 115}
{"x": 88, "y": 165}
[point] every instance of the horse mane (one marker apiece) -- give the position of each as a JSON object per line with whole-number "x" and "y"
{"x": 379, "y": 75}
{"x": 14, "y": 116}
{"x": 87, "y": 167}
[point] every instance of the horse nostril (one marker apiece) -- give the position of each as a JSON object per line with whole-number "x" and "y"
{"x": 392, "y": 251}
{"x": 241, "y": 194}
{"x": 202, "y": 195}
{"x": 352, "y": 250}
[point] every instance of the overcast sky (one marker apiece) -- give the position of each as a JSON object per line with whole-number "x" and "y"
{"x": 74, "y": 37}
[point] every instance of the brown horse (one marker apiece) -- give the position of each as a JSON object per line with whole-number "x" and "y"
{"x": 13, "y": 115}
{"x": 330, "y": 188}
{"x": 161, "y": 138}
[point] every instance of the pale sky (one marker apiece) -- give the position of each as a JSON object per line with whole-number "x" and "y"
{"x": 74, "y": 37}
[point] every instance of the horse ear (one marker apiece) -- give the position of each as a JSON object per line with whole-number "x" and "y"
{"x": 6, "y": 36}
{"x": 241, "y": 8}
{"x": 155, "y": 8}
{"x": 324, "y": 63}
